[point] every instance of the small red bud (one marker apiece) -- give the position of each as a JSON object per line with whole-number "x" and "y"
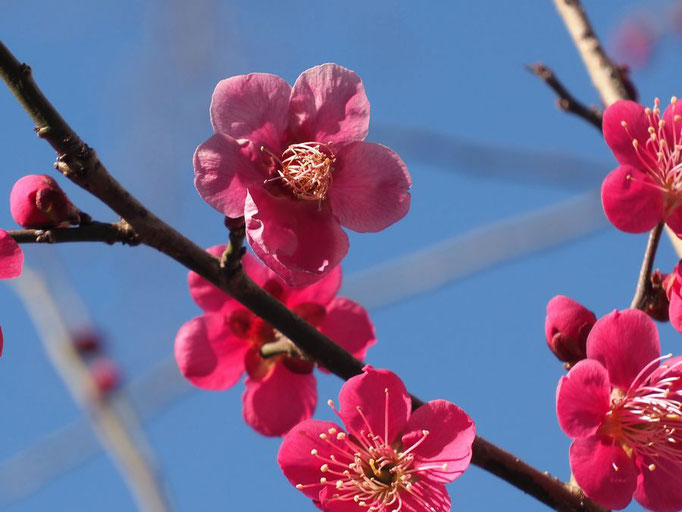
{"x": 87, "y": 341}
{"x": 106, "y": 375}
{"x": 566, "y": 328}
{"x": 37, "y": 201}
{"x": 657, "y": 304}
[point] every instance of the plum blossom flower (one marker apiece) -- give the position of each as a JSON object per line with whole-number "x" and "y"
{"x": 647, "y": 186}
{"x": 37, "y": 201}
{"x": 294, "y": 163}
{"x": 11, "y": 256}
{"x": 215, "y": 349}
{"x": 388, "y": 459}
{"x": 622, "y": 406}
{"x": 567, "y": 325}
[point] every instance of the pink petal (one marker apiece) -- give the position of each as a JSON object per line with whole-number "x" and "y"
{"x": 208, "y": 354}
{"x": 11, "y": 256}
{"x": 370, "y": 188}
{"x": 363, "y": 404}
{"x": 322, "y": 292}
{"x": 451, "y": 433}
{"x": 328, "y": 104}
{"x": 297, "y": 239}
{"x": 348, "y": 324}
{"x": 223, "y": 169}
{"x": 674, "y": 219}
{"x": 618, "y": 138}
{"x": 594, "y": 461}
{"x": 660, "y": 489}
{"x": 275, "y": 405}
{"x": 328, "y": 502}
{"x": 675, "y": 311}
{"x": 254, "y": 107}
{"x": 209, "y": 297}
{"x": 624, "y": 342}
{"x": 426, "y": 495}
{"x": 2, "y": 342}
{"x": 298, "y": 464}
{"x": 582, "y": 399}
{"x": 631, "y": 200}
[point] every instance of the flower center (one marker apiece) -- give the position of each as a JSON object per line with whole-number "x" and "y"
{"x": 306, "y": 169}
{"x": 647, "y": 419}
{"x": 661, "y": 156}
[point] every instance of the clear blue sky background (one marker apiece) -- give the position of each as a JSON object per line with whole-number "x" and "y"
{"x": 135, "y": 79}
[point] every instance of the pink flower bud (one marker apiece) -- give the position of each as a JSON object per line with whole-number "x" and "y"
{"x": 566, "y": 328}
{"x": 87, "y": 341}
{"x": 658, "y": 303}
{"x": 106, "y": 375}
{"x": 37, "y": 201}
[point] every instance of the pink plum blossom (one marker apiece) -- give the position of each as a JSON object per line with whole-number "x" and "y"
{"x": 37, "y": 201}
{"x": 622, "y": 406}
{"x": 294, "y": 163}
{"x": 388, "y": 458}
{"x": 567, "y": 325}
{"x": 215, "y": 349}
{"x": 11, "y": 256}
{"x": 672, "y": 285}
{"x": 647, "y": 186}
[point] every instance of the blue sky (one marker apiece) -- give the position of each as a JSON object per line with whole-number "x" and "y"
{"x": 135, "y": 78}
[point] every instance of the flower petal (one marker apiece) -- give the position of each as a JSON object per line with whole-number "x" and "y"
{"x": 296, "y": 459}
{"x": 208, "y": 354}
{"x": 322, "y": 292}
{"x": 624, "y": 342}
{"x": 254, "y": 107}
{"x": 618, "y": 137}
{"x": 295, "y": 238}
{"x": 603, "y": 471}
{"x": 675, "y": 311}
{"x": 209, "y": 297}
{"x": 223, "y": 169}
{"x": 375, "y": 402}
{"x": 370, "y": 188}
{"x": 273, "y": 406}
{"x": 426, "y": 495}
{"x": 659, "y": 489}
{"x": 582, "y": 399}
{"x": 348, "y": 324}
{"x": 631, "y": 200}
{"x": 11, "y": 256}
{"x": 674, "y": 219}
{"x": 451, "y": 433}
{"x": 328, "y": 104}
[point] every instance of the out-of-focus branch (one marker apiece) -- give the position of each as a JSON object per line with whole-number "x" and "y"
{"x": 565, "y": 100}
{"x": 94, "y": 232}
{"x": 79, "y": 163}
{"x": 605, "y": 75}
{"x": 112, "y": 419}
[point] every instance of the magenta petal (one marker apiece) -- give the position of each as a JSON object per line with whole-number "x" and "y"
{"x": 675, "y": 311}
{"x": 370, "y": 190}
{"x": 328, "y": 104}
{"x": 363, "y": 404}
{"x": 11, "y": 256}
{"x": 254, "y": 107}
{"x": 297, "y": 239}
{"x": 274, "y": 405}
{"x": 209, "y": 297}
{"x": 426, "y": 495}
{"x": 322, "y": 292}
{"x": 451, "y": 433}
{"x": 618, "y": 137}
{"x": 659, "y": 489}
{"x": 674, "y": 220}
{"x": 208, "y": 354}
{"x": 582, "y": 399}
{"x": 624, "y": 342}
{"x": 631, "y": 200}
{"x": 348, "y": 324}
{"x": 223, "y": 169}
{"x": 298, "y": 464}
{"x": 594, "y": 461}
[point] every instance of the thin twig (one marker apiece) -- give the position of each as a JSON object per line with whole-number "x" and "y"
{"x": 79, "y": 163}
{"x": 231, "y": 259}
{"x": 643, "y": 290}
{"x": 93, "y": 232}
{"x": 113, "y": 420}
{"x": 566, "y": 101}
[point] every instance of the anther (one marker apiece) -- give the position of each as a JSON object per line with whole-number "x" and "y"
{"x": 652, "y": 467}
{"x": 324, "y": 468}
{"x": 313, "y": 451}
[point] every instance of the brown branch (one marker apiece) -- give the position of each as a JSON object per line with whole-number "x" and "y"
{"x": 565, "y": 100}
{"x": 79, "y": 163}
{"x": 643, "y": 292}
{"x": 93, "y": 232}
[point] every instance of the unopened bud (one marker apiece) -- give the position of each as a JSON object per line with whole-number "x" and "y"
{"x": 37, "y": 201}
{"x": 106, "y": 375}
{"x": 566, "y": 328}
{"x": 87, "y": 341}
{"x": 657, "y": 303}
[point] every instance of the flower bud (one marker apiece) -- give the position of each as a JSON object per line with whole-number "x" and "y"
{"x": 37, "y": 201}
{"x": 87, "y": 341}
{"x": 106, "y": 375}
{"x": 658, "y": 303}
{"x": 566, "y": 328}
